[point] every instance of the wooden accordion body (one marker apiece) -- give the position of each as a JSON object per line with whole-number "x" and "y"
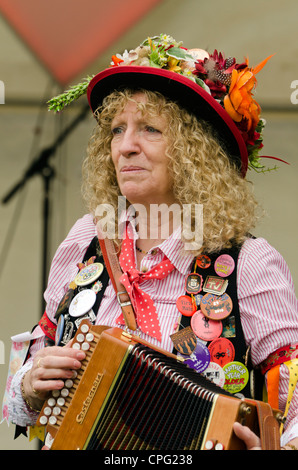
{"x": 128, "y": 396}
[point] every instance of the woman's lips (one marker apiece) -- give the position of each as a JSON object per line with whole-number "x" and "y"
{"x": 128, "y": 169}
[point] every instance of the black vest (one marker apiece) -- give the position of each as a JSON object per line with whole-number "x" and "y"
{"x": 232, "y": 328}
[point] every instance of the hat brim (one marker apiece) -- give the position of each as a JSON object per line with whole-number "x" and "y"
{"x": 177, "y": 88}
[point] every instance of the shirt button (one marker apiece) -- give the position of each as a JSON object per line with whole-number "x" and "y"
{"x": 153, "y": 252}
{"x": 144, "y": 269}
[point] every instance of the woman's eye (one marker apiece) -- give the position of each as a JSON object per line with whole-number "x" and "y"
{"x": 151, "y": 129}
{"x": 116, "y": 130}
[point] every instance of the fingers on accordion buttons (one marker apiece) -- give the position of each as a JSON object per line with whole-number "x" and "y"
{"x": 55, "y": 403}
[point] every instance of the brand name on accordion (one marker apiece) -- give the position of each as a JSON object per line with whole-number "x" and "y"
{"x": 87, "y": 402}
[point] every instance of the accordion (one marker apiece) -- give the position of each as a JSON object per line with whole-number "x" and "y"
{"x": 129, "y": 396}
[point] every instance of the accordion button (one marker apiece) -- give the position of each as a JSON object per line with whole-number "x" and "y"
{"x": 80, "y": 337}
{"x": 56, "y": 393}
{"x": 209, "y": 445}
{"x": 51, "y": 402}
{"x": 85, "y": 346}
{"x": 43, "y": 420}
{"x": 84, "y": 328}
{"x": 64, "y": 392}
{"x": 56, "y": 411}
{"x": 60, "y": 401}
{"x": 89, "y": 337}
{"x": 47, "y": 411}
{"x": 219, "y": 446}
{"x": 53, "y": 420}
{"x": 68, "y": 383}
{"x": 76, "y": 346}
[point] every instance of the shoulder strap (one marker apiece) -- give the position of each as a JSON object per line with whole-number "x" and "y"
{"x": 112, "y": 264}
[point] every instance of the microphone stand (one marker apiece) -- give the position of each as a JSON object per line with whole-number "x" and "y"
{"x": 41, "y": 166}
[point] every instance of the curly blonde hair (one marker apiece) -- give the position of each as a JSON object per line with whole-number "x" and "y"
{"x": 201, "y": 171}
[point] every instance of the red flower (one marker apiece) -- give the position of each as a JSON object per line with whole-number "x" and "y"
{"x": 217, "y": 88}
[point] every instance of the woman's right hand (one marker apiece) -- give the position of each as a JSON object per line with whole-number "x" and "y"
{"x": 51, "y": 366}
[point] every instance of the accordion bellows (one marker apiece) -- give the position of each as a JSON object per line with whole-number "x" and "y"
{"x": 128, "y": 396}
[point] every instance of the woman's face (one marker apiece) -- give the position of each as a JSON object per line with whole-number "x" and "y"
{"x": 138, "y": 151}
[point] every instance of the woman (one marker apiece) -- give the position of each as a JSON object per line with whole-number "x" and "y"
{"x": 176, "y": 132}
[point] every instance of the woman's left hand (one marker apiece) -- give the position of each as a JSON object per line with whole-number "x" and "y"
{"x": 251, "y": 440}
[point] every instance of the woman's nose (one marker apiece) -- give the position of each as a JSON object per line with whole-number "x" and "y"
{"x": 129, "y": 144}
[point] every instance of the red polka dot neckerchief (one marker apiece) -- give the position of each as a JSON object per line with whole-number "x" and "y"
{"x": 147, "y": 318}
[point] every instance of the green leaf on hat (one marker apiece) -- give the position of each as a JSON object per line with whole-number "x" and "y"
{"x": 178, "y": 53}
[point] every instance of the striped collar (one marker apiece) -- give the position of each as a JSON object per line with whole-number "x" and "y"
{"x": 172, "y": 247}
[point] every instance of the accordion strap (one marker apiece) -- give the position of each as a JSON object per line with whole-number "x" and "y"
{"x": 269, "y": 428}
{"x": 113, "y": 267}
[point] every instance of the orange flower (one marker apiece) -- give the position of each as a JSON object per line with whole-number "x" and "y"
{"x": 116, "y": 61}
{"x": 239, "y": 102}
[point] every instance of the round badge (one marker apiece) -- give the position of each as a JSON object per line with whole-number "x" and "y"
{"x": 216, "y": 307}
{"x": 82, "y": 303}
{"x": 185, "y": 305}
{"x": 215, "y": 373}
{"x": 236, "y": 375}
{"x": 221, "y": 351}
{"x": 203, "y": 261}
{"x": 199, "y": 358}
{"x": 193, "y": 283}
{"x": 205, "y": 328}
{"x": 224, "y": 265}
{"x": 88, "y": 274}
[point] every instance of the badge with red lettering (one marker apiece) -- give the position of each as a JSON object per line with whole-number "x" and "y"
{"x": 203, "y": 261}
{"x": 216, "y": 307}
{"x": 236, "y": 376}
{"x": 221, "y": 351}
{"x": 199, "y": 359}
{"x": 204, "y": 328}
{"x": 215, "y": 285}
{"x": 224, "y": 265}
{"x": 184, "y": 340}
{"x": 193, "y": 283}
{"x": 186, "y": 305}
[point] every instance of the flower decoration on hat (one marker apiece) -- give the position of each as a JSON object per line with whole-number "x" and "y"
{"x": 230, "y": 83}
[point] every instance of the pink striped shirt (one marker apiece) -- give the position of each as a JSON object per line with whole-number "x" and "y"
{"x": 267, "y": 301}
